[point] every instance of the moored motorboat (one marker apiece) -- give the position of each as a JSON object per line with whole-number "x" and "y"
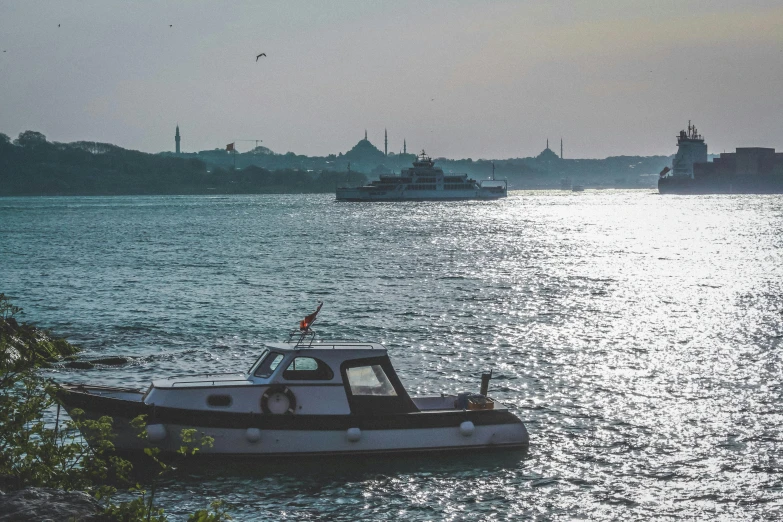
{"x": 303, "y": 397}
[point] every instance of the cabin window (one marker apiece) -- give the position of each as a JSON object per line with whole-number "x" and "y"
{"x": 258, "y": 361}
{"x": 219, "y": 401}
{"x": 369, "y": 380}
{"x": 269, "y": 364}
{"x": 308, "y": 369}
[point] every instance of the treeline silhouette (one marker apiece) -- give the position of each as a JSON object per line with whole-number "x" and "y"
{"x": 31, "y": 165}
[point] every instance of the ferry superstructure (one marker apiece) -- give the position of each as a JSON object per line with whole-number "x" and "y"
{"x": 424, "y": 182}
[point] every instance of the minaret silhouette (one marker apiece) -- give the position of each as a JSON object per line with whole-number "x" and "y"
{"x": 404, "y": 147}
{"x": 561, "y": 147}
{"x": 385, "y": 143}
{"x": 176, "y": 139}
{"x": 547, "y": 144}
{"x": 365, "y": 134}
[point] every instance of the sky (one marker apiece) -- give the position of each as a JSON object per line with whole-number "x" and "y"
{"x": 460, "y": 79}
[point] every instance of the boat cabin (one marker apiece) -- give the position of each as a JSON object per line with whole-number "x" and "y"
{"x": 312, "y": 378}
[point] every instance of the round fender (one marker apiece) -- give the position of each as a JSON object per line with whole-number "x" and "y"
{"x": 278, "y": 399}
{"x": 353, "y": 434}
{"x": 467, "y": 428}
{"x": 156, "y": 432}
{"x": 253, "y": 435}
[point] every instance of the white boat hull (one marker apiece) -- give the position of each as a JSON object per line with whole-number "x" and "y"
{"x": 228, "y": 441}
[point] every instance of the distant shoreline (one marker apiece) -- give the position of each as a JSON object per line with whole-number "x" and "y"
{"x": 538, "y": 189}
{"x": 32, "y": 166}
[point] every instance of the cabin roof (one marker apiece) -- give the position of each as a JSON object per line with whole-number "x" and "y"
{"x": 332, "y": 353}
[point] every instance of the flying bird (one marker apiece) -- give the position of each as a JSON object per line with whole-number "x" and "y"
{"x": 260, "y": 55}
{"x": 58, "y": 25}
{"x": 171, "y": 25}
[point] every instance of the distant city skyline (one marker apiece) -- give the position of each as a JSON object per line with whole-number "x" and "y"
{"x": 252, "y": 144}
{"x": 467, "y": 79}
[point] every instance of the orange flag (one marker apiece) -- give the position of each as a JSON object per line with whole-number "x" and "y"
{"x": 305, "y": 323}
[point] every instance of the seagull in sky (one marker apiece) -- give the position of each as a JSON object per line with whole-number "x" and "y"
{"x": 260, "y": 55}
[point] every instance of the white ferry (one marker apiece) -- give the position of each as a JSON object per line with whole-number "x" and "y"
{"x": 424, "y": 182}
{"x": 303, "y": 397}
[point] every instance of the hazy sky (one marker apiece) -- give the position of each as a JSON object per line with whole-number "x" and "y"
{"x": 460, "y": 79}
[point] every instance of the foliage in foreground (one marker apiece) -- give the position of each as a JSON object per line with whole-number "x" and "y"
{"x": 36, "y": 453}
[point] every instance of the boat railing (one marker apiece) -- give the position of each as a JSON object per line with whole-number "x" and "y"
{"x": 306, "y": 338}
{"x": 205, "y": 382}
{"x": 302, "y": 338}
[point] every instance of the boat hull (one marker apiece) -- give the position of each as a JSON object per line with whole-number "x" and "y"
{"x": 467, "y": 198}
{"x": 252, "y": 434}
{"x": 356, "y": 196}
{"x": 675, "y": 185}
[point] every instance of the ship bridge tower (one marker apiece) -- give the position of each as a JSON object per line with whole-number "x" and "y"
{"x": 690, "y": 149}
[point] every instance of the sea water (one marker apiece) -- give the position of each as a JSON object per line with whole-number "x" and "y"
{"x": 638, "y": 336}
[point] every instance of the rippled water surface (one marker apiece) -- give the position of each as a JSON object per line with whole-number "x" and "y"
{"x": 638, "y": 336}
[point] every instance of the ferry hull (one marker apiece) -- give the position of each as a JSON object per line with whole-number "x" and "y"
{"x": 358, "y": 196}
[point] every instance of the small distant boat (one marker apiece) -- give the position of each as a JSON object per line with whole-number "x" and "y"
{"x": 577, "y": 188}
{"x": 425, "y": 182}
{"x": 303, "y": 397}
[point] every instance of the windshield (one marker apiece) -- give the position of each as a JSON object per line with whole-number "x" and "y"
{"x": 258, "y": 361}
{"x": 269, "y": 364}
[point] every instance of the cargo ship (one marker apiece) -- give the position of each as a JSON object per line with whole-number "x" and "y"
{"x": 424, "y": 182}
{"x": 748, "y": 170}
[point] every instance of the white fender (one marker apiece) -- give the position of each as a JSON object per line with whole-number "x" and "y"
{"x": 253, "y": 435}
{"x": 156, "y": 432}
{"x": 353, "y": 434}
{"x": 467, "y": 428}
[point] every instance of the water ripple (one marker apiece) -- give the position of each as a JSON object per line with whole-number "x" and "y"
{"x": 637, "y": 336}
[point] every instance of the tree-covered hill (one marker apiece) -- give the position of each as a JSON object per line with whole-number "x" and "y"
{"x": 31, "y": 165}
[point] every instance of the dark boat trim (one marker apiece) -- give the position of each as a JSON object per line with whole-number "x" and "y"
{"x": 96, "y": 404}
{"x": 288, "y": 382}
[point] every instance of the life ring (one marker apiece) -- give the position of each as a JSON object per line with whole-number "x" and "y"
{"x": 273, "y": 391}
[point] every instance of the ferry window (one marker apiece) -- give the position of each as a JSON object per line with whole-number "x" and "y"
{"x": 258, "y": 361}
{"x": 369, "y": 380}
{"x": 308, "y": 369}
{"x": 219, "y": 400}
{"x": 268, "y": 365}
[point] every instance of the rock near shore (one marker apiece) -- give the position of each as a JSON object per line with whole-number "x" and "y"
{"x": 46, "y": 504}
